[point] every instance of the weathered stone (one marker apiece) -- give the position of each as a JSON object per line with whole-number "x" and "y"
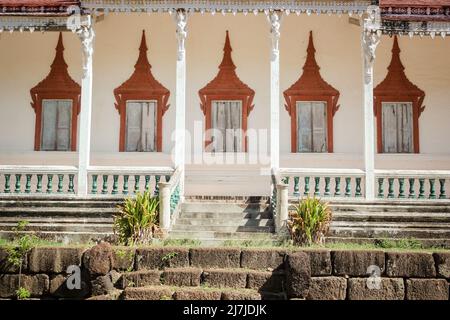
{"x": 388, "y": 289}
{"x": 124, "y": 258}
{"x": 298, "y": 277}
{"x": 148, "y": 293}
{"x": 164, "y": 257}
{"x": 197, "y": 294}
{"x": 327, "y": 288}
{"x": 99, "y": 259}
{"x": 37, "y": 285}
{"x": 53, "y": 260}
{"x": 215, "y": 257}
{"x": 140, "y": 278}
{"x": 410, "y": 264}
{"x": 263, "y": 259}
{"x": 102, "y": 285}
{"x": 357, "y": 263}
{"x": 320, "y": 262}
{"x": 442, "y": 261}
{"x": 7, "y": 267}
{"x": 266, "y": 281}
{"x": 225, "y": 278}
{"x": 182, "y": 277}
{"x": 59, "y": 288}
{"x": 114, "y": 295}
{"x": 426, "y": 289}
{"x": 243, "y": 294}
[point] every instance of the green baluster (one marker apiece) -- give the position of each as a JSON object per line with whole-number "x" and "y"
{"x": 327, "y": 187}
{"x": 125, "y": 184}
{"x": 442, "y": 189}
{"x": 115, "y": 188}
{"x": 285, "y": 180}
{"x": 156, "y": 192}
{"x": 432, "y": 191}
{"x": 401, "y": 187}
{"x": 71, "y": 184}
{"x": 94, "y": 184}
{"x": 316, "y": 186}
{"x": 306, "y": 186}
{"x": 147, "y": 182}
{"x": 380, "y": 187}
{"x": 421, "y": 188}
{"x": 296, "y": 187}
{"x": 60, "y": 183}
{"x": 337, "y": 187}
{"x": 358, "y": 187}
{"x": 137, "y": 178}
{"x": 348, "y": 190}
{"x": 28, "y": 183}
{"x": 105, "y": 184}
{"x": 17, "y": 186}
{"x": 391, "y": 188}
{"x": 39, "y": 183}
{"x": 412, "y": 194}
{"x": 49, "y": 183}
{"x": 167, "y": 177}
{"x": 7, "y": 183}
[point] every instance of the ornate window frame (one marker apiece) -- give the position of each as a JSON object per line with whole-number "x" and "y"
{"x": 142, "y": 85}
{"x": 396, "y": 87}
{"x": 226, "y": 86}
{"x": 58, "y": 85}
{"x": 311, "y": 87}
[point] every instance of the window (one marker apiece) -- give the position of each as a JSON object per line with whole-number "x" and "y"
{"x": 56, "y": 125}
{"x": 141, "y": 126}
{"x": 397, "y": 127}
{"x": 226, "y": 126}
{"x": 312, "y": 126}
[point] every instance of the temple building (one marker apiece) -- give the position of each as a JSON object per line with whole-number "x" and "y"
{"x": 220, "y": 100}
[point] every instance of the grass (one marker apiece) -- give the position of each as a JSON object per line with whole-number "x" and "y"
{"x": 45, "y": 243}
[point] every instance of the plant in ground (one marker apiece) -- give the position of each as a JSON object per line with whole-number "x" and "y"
{"x": 309, "y": 222}
{"x": 137, "y": 219}
{"x": 22, "y": 293}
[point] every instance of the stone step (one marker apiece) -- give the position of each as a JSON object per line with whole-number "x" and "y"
{"x": 391, "y": 207}
{"x": 226, "y": 215}
{"x": 55, "y": 227}
{"x": 56, "y": 220}
{"x": 227, "y": 199}
{"x": 31, "y": 201}
{"x": 394, "y": 217}
{"x": 58, "y": 211}
{"x": 65, "y": 237}
{"x": 369, "y": 232}
{"x": 219, "y": 235}
{"x": 426, "y": 243}
{"x": 390, "y": 224}
{"x": 224, "y": 207}
{"x": 221, "y": 228}
{"x": 197, "y": 293}
{"x": 222, "y": 221}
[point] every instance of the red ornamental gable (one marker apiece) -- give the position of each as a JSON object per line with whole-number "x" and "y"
{"x": 396, "y": 83}
{"x": 142, "y": 82}
{"x": 227, "y": 83}
{"x": 37, "y": 7}
{"x": 311, "y": 82}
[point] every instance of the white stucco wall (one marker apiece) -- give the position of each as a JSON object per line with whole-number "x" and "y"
{"x": 25, "y": 59}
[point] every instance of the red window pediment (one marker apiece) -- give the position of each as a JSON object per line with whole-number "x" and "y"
{"x": 57, "y": 85}
{"x": 142, "y": 85}
{"x": 311, "y": 87}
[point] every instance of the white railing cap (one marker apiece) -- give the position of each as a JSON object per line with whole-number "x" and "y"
{"x": 37, "y": 169}
{"x": 413, "y": 173}
{"x": 131, "y": 170}
{"x": 321, "y": 172}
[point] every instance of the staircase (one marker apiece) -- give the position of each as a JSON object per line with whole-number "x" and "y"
{"x": 59, "y": 219}
{"x": 214, "y": 220}
{"x": 359, "y": 222}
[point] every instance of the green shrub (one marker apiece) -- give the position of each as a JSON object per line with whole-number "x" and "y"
{"x": 309, "y": 222}
{"x": 22, "y": 293}
{"x": 137, "y": 219}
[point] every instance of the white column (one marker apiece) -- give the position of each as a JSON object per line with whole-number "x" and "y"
{"x": 86, "y": 35}
{"x": 371, "y": 36}
{"x": 164, "y": 202}
{"x": 180, "y": 95}
{"x": 274, "y": 18}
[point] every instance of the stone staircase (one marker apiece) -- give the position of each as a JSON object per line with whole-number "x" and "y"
{"x": 214, "y": 219}
{"x": 67, "y": 220}
{"x": 356, "y": 222}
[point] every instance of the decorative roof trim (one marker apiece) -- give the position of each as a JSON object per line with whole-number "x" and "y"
{"x": 432, "y": 29}
{"x": 34, "y": 23}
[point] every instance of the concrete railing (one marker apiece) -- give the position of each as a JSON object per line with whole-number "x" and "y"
{"x": 279, "y": 202}
{"x": 170, "y": 199}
